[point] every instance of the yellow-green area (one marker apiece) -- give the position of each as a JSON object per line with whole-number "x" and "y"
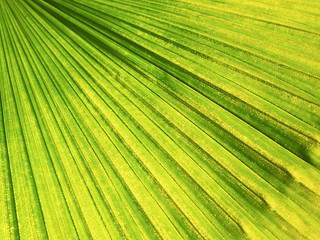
{"x": 168, "y": 119}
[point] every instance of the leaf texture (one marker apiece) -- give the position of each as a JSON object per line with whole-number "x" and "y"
{"x": 184, "y": 119}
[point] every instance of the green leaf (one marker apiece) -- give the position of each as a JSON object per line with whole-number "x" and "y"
{"x": 184, "y": 119}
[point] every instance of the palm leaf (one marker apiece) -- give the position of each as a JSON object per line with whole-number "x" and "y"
{"x": 160, "y": 119}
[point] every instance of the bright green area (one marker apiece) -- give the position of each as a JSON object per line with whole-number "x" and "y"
{"x": 190, "y": 119}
